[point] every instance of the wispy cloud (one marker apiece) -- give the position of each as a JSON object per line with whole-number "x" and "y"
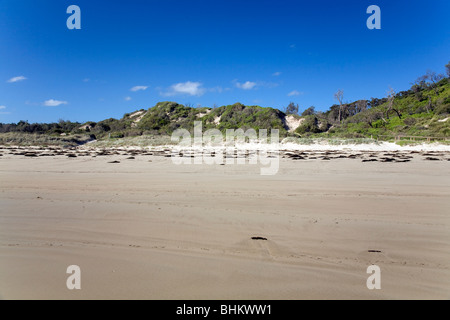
{"x": 276, "y": 74}
{"x": 4, "y": 112}
{"x": 54, "y": 103}
{"x": 269, "y": 85}
{"x": 218, "y": 89}
{"x": 188, "y": 87}
{"x": 17, "y": 79}
{"x": 248, "y": 85}
{"x": 294, "y": 93}
{"x": 86, "y": 80}
{"x": 138, "y": 88}
{"x": 127, "y": 98}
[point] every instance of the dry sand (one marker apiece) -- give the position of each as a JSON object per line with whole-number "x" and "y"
{"x": 154, "y": 230}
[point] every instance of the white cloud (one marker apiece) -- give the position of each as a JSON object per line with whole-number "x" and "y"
{"x": 127, "y": 98}
{"x": 2, "y": 107}
{"x": 188, "y": 87}
{"x": 17, "y": 79}
{"x": 54, "y": 103}
{"x": 86, "y": 80}
{"x": 276, "y": 74}
{"x": 137, "y": 88}
{"x": 248, "y": 85}
{"x": 294, "y": 93}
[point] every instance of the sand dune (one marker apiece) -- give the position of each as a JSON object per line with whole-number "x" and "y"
{"x": 141, "y": 227}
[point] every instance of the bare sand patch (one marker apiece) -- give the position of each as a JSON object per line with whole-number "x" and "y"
{"x": 155, "y": 230}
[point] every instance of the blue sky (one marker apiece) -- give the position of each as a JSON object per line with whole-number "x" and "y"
{"x": 131, "y": 54}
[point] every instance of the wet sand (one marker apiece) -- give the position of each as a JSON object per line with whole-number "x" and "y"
{"x": 141, "y": 227}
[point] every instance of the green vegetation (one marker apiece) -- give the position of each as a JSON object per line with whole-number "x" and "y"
{"x": 40, "y": 128}
{"x": 245, "y": 117}
{"x": 309, "y": 126}
{"x": 166, "y": 117}
{"x": 336, "y": 141}
{"x": 139, "y": 141}
{"x": 418, "y": 112}
{"x": 31, "y": 139}
{"x": 415, "y": 112}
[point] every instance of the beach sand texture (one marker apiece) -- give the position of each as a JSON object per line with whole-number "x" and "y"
{"x": 144, "y": 228}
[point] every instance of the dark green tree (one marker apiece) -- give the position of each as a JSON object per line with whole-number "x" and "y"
{"x": 292, "y": 108}
{"x": 309, "y": 112}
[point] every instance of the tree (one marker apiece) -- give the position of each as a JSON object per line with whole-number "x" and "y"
{"x": 361, "y": 105}
{"x": 447, "y": 69}
{"x": 375, "y": 102}
{"x": 434, "y": 78}
{"x": 369, "y": 117}
{"x": 292, "y": 108}
{"x": 390, "y": 103}
{"x": 421, "y": 82}
{"x": 429, "y": 105}
{"x": 339, "y": 96}
{"x": 309, "y": 112}
{"x": 332, "y": 114}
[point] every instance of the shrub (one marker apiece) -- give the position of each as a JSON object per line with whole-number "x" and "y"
{"x": 419, "y": 96}
{"x": 445, "y": 132}
{"x": 116, "y": 135}
{"x": 443, "y": 109}
{"x": 309, "y": 125}
{"x": 409, "y": 121}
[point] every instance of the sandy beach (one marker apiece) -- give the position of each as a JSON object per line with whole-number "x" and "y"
{"x": 140, "y": 227}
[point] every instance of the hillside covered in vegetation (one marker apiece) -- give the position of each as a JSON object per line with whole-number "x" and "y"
{"x": 421, "y": 111}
